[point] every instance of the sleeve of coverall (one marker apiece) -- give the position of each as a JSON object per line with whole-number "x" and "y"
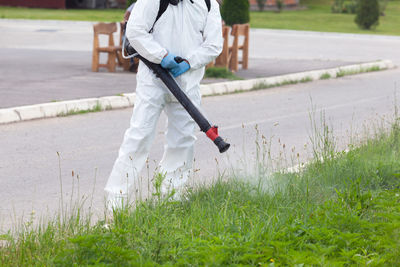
{"x": 140, "y": 22}
{"x": 212, "y": 36}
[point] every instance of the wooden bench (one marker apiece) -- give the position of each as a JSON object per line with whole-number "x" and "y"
{"x": 111, "y": 50}
{"x": 222, "y": 59}
{"x": 239, "y": 30}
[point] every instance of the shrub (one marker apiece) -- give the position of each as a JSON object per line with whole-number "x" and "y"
{"x": 261, "y": 4}
{"x": 235, "y": 11}
{"x": 367, "y": 14}
{"x": 382, "y": 6}
{"x": 279, "y": 5}
{"x": 224, "y": 73}
{"x": 129, "y": 2}
{"x": 342, "y": 6}
{"x": 337, "y": 6}
{"x": 350, "y": 7}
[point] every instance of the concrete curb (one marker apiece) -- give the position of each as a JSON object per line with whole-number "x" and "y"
{"x": 260, "y": 83}
{"x": 62, "y": 108}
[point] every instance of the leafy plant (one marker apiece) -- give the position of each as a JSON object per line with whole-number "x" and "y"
{"x": 261, "y": 4}
{"x": 367, "y": 14}
{"x": 279, "y": 4}
{"x": 337, "y": 6}
{"x": 351, "y": 8}
{"x": 353, "y": 197}
{"x": 235, "y": 11}
{"x": 325, "y": 76}
{"x": 344, "y": 6}
{"x": 130, "y": 2}
{"x": 220, "y": 72}
{"x": 382, "y": 6}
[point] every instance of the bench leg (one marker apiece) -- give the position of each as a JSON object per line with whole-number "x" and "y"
{"x": 111, "y": 61}
{"x": 233, "y": 63}
{"x": 245, "y": 56}
{"x": 95, "y": 61}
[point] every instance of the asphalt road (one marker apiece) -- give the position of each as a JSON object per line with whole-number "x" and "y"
{"x": 88, "y": 144}
{"x": 46, "y": 61}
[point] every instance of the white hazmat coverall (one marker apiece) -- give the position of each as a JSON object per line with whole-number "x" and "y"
{"x": 187, "y": 30}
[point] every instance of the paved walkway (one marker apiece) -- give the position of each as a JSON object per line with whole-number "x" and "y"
{"x": 47, "y": 61}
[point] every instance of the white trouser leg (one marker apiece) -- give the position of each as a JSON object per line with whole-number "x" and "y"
{"x": 177, "y": 161}
{"x": 136, "y": 144}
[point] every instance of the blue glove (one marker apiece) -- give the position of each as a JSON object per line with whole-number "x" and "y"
{"x": 169, "y": 62}
{"x": 180, "y": 69}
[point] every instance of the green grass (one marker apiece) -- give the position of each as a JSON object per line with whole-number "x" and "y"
{"x": 317, "y": 17}
{"x": 97, "y": 108}
{"x": 101, "y": 15}
{"x": 343, "y": 73}
{"x": 342, "y": 209}
{"x": 263, "y": 85}
{"x": 222, "y": 73}
{"x": 325, "y": 76}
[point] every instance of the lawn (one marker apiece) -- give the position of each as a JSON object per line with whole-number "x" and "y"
{"x": 104, "y": 15}
{"x": 343, "y": 209}
{"x": 316, "y": 17}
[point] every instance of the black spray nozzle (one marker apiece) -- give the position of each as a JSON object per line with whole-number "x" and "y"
{"x": 221, "y": 144}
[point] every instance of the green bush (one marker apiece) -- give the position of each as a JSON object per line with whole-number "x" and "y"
{"x": 350, "y": 7}
{"x": 261, "y": 4}
{"x": 342, "y": 6}
{"x": 129, "y": 2}
{"x": 367, "y": 14}
{"x": 235, "y": 11}
{"x": 279, "y": 5}
{"x": 382, "y": 7}
{"x": 222, "y": 73}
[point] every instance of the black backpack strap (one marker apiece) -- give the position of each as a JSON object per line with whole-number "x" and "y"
{"x": 208, "y": 3}
{"x": 163, "y": 6}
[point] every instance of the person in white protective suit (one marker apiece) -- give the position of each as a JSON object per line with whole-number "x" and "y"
{"x": 188, "y": 30}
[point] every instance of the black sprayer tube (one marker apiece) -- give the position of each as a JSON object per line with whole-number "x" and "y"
{"x": 205, "y": 126}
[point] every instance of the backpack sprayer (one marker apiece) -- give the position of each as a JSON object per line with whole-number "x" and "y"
{"x": 168, "y": 80}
